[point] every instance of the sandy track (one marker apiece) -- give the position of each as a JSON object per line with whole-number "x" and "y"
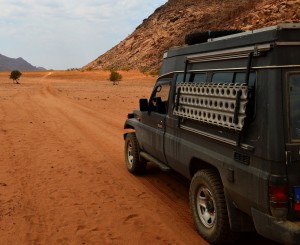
{"x": 62, "y": 173}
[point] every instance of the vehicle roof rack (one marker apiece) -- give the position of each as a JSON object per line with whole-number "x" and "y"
{"x": 270, "y": 28}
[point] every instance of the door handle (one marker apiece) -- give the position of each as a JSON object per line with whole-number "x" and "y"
{"x": 160, "y": 125}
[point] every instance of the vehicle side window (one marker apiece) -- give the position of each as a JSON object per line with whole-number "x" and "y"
{"x": 180, "y": 77}
{"x": 233, "y": 77}
{"x": 198, "y": 78}
{"x": 240, "y": 78}
{"x": 294, "y": 109}
{"x": 222, "y": 77}
{"x": 159, "y": 99}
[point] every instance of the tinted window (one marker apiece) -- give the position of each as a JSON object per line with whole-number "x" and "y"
{"x": 233, "y": 77}
{"x": 160, "y": 97}
{"x": 199, "y": 77}
{"x": 240, "y": 77}
{"x": 180, "y": 77}
{"x": 294, "y": 87}
{"x": 223, "y": 77}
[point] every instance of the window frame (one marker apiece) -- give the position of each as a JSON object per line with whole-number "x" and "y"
{"x": 161, "y": 82}
{"x": 288, "y": 87}
{"x": 234, "y": 73}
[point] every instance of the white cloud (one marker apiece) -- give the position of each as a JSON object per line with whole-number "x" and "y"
{"x": 61, "y": 34}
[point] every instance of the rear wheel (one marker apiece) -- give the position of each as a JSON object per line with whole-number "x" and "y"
{"x": 209, "y": 209}
{"x": 134, "y": 164}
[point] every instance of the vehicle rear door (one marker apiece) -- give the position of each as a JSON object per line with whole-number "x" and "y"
{"x": 293, "y": 139}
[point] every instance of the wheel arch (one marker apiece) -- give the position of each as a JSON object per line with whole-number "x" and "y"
{"x": 197, "y": 164}
{"x": 129, "y": 124}
{"x": 239, "y": 221}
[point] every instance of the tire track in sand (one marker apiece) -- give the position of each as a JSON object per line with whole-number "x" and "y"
{"x": 65, "y": 161}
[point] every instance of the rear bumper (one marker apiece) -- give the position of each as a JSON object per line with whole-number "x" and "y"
{"x": 286, "y": 232}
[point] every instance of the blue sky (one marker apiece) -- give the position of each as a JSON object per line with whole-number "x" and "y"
{"x": 62, "y": 34}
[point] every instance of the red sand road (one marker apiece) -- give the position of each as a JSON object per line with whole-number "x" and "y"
{"x": 62, "y": 173}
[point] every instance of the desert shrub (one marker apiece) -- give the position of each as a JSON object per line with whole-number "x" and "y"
{"x": 125, "y": 68}
{"x": 15, "y": 75}
{"x": 73, "y": 69}
{"x": 107, "y": 68}
{"x": 115, "y": 76}
{"x": 143, "y": 69}
{"x": 154, "y": 72}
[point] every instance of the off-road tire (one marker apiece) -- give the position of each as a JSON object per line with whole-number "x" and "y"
{"x": 134, "y": 164}
{"x": 209, "y": 209}
{"x": 201, "y": 37}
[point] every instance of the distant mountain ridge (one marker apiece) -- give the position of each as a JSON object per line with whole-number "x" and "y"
{"x": 170, "y": 23}
{"x": 9, "y": 64}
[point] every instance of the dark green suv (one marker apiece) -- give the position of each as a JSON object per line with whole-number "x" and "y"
{"x": 226, "y": 114}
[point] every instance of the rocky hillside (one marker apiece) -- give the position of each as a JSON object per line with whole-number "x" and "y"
{"x": 9, "y": 64}
{"x": 169, "y": 24}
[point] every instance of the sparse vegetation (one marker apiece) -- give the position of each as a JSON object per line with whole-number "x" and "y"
{"x": 143, "y": 69}
{"x": 125, "y": 68}
{"x": 108, "y": 68}
{"x": 73, "y": 69}
{"x": 115, "y": 77}
{"x": 15, "y": 76}
{"x": 154, "y": 72}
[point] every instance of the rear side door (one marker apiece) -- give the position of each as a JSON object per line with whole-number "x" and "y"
{"x": 293, "y": 141}
{"x": 153, "y": 121}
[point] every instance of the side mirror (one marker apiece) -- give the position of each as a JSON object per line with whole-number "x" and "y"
{"x": 144, "y": 105}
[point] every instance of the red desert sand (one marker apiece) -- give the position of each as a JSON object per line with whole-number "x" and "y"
{"x": 62, "y": 174}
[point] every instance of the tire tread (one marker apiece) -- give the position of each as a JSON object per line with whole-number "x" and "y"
{"x": 139, "y": 166}
{"x": 221, "y": 234}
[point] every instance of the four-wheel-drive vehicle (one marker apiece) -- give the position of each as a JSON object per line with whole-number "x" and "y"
{"x": 226, "y": 114}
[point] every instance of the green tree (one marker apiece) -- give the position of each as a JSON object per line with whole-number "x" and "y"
{"x": 15, "y": 75}
{"x": 115, "y": 77}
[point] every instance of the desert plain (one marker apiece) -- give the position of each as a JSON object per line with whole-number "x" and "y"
{"x": 62, "y": 174}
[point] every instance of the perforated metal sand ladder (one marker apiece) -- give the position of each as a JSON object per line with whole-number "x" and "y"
{"x": 223, "y": 105}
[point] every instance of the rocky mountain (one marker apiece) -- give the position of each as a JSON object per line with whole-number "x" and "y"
{"x": 9, "y": 64}
{"x": 170, "y": 23}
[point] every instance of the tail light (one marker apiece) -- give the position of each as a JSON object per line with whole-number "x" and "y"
{"x": 278, "y": 196}
{"x": 297, "y": 198}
